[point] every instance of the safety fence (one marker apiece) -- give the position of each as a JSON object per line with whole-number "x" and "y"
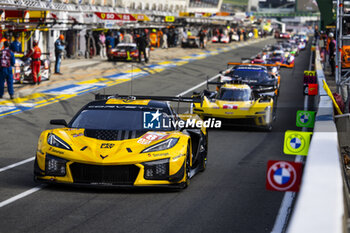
{"x": 320, "y": 203}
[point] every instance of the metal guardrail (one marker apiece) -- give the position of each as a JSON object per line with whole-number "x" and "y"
{"x": 320, "y": 202}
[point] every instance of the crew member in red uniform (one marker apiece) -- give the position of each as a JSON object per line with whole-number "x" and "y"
{"x": 35, "y": 54}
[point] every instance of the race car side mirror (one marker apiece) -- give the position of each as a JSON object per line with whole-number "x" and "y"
{"x": 264, "y": 98}
{"x": 182, "y": 129}
{"x": 256, "y": 96}
{"x": 58, "y": 122}
{"x": 185, "y": 128}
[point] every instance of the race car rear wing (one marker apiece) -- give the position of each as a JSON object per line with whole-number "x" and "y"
{"x": 236, "y": 81}
{"x": 260, "y": 88}
{"x": 247, "y": 58}
{"x": 270, "y": 67}
{"x": 159, "y": 98}
{"x": 252, "y": 64}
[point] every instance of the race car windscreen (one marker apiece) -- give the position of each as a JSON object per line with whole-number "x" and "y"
{"x": 234, "y": 94}
{"x": 250, "y": 74}
{"x": 276, "y": 59}
{"x": 121, "y": 119}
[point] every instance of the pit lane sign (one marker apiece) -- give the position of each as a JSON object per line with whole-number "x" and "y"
{"x": 169, "y": 19}
{"x": 283, "y": 176}
{"x": 311, "y": 89}
{"x": 141, "y": 17}
{"x": 107, "y": 16}
{"x": 296, "y": 142}
{"x": 310, "y": 77}
{"x": 115, "y": 16}
{"x": 310, "y": 83}
{"x": 305, "y": 119}
{"x": 127, "y": 17}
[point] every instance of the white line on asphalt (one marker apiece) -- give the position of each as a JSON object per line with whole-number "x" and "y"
{"x": 21, "y": 195}
{"x": 283, "y": 213}
{"x": 288, "y": 198}
{"x": 17, "y": 164}
{"x": 197, "y": 86}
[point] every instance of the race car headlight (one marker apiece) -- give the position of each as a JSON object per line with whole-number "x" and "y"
{"x": 156, "y": 170}
{"x": 55, "y": 166}
{"x": 164, "y": 145}
{"x": 55, "y": 141}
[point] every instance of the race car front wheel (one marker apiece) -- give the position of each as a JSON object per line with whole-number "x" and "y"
{"x": 269, "y": 118}
{"x": 204, "y": 153}
{"x": 188, "y": 168}
{"x": 268, "y": 127}
{"x": 204, "y": 163}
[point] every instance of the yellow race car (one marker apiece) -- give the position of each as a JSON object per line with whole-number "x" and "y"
{"x": 123, "y": 141}
{"x": 237, "y": 103}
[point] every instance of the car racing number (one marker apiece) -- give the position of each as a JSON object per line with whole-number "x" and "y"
{"x": 150, "y": 137}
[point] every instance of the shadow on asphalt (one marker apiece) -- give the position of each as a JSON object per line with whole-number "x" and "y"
{"x": 102, "y": 190}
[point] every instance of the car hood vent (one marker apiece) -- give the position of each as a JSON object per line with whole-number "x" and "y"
{"x": 113, "y": 135}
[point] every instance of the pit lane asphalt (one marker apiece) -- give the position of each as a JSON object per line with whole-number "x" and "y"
{"x": 229, "y": 196}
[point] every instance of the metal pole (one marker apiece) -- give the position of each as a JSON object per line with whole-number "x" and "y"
{"x": 337, "y": 51}
{"x": 338, "y": 35}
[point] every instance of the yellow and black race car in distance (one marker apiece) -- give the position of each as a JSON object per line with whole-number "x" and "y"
{"x": 121, "y": 142}
{"x": 237, "y": 104}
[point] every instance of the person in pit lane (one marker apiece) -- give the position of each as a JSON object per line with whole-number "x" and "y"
{"x": 35, "y": 54}
{"x": 7, "y": 61}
